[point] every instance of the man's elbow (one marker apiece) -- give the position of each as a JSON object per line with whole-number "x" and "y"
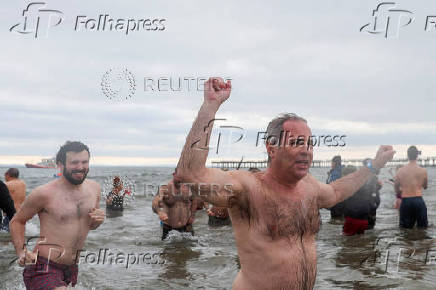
{"x": 16, "y": 223}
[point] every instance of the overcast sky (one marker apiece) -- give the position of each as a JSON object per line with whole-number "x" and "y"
{"x": 307, "y": 57}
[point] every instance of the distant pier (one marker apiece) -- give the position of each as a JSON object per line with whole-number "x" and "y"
{"x": 234, "y": 164}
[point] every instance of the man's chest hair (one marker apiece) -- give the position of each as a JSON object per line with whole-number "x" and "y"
{"x": 285, "y": 214}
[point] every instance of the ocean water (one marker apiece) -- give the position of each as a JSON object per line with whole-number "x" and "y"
{"x": 384, "y": 258}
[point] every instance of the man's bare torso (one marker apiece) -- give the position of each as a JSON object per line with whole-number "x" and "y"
{"x": 64, "y": 221}
{"x": 178, "y": 209}
{"x": 275, "y": 235}
{"x": 411, "y": 178}
{"x": 17, "y": 189}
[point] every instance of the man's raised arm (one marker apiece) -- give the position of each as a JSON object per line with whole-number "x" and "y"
{"x": 342, "y": 188}
{"x": 158, "y": 205}
{"x": 211, "y": 184}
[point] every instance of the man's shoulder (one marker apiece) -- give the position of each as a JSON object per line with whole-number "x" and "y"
{"x": 93, "y": 184}
{"x": 411, "y": 169}
{"x": 310, "y": 180}
{"x": 44, "y": 191}
{"x": 243, "y": 174}
{"x": 245, "y": 178}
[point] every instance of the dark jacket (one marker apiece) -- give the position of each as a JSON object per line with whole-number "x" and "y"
{"x": 6, "y": 202}
{"x": 364, "y": 202}
{"x": 337, "y": 211}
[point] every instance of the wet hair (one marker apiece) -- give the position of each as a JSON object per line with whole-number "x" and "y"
{"x": 275, "y": 127}
{"x": 117, "y": 181}
{"x": 70, "y": 146}
{"x": 253, "y": 169}
{"x": 337, "y": 160}
{"x": 412, "y": 152}
{"x": 13, "y": 172}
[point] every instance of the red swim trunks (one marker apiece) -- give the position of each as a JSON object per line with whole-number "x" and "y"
{"x": 354, "y": 226}
{"x": 46, "y": 274}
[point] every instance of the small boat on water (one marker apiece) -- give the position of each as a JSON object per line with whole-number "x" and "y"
{"x": 45, "y": 163}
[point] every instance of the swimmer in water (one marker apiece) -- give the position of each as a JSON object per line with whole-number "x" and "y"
{"x": 337, "y": 211}
{"x": 360, "y": 208}
{"x": 115, "y": 198}
{"x": 16, "y": 186}
{"x": 275, "y": 213}
{"x": 218, "y": 216}
{"x": 410, "y": 180}
{"x": 67, "y": 207}
{"x": 176, "y": 211}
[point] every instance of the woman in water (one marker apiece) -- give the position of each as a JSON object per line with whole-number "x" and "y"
{"x": 115, "y": 198}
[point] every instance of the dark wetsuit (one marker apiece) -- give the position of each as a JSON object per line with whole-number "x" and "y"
{"x": 166, "y": 229}
{"x": 360, "y": 208}
{"x": 336, "y": 211}
{"x": 6, "y": 205}
{"x": 46, "y": 274}
{"x": 412, "y": 210}
{"x": 117, "y": 201}
{"x": 116, "y": 208}
{"x": 375, "y": 201}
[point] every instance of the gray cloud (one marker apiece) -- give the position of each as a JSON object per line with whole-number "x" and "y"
{"x": 305, "y": 57}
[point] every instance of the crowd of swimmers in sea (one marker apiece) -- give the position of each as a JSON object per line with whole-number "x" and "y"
{"x": 358, "y": 212}
{"x": 274, "y": 213}
{"x": 177, "y": 212}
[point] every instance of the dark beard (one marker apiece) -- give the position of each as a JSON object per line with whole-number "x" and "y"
{"x": 69, "y": 176}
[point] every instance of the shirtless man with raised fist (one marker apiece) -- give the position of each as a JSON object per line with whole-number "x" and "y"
{"x": 275, "y": 213}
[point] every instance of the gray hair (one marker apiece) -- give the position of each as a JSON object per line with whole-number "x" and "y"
{"x": 13, "y": 172}
{"x": 275, "y": 127}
